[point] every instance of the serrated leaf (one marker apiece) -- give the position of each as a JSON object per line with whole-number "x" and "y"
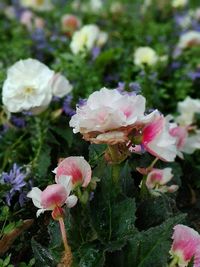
{"x": 151, "y": 247}
{"x": 95, "y": 153}
{"x": 153, "y": 211}
{"x": 91, "y": 256}
{"x": 42, "y": 255}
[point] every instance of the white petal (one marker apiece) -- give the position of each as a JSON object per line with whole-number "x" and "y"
{"x": 55, "y": 170}
{"x": 66, "y": 181}
{"x": 35, "y": 194}
{"x": 71, "y": 201}
{"x": 40, "y": 211}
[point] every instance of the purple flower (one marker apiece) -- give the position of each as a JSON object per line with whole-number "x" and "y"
{"x": 15, "y": 179}
{"x": 81, "y": 102}
{"x": 194, "y": 75}
{"x": 18, "y": 122}
{"x": 175, "y": 65}
{"x": 95, "y": 52}
{"x": 135, "y": 87}
{"x": 67, "y": 106}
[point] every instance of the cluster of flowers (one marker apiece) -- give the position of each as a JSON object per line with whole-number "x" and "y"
{"x": 70, "y": 173}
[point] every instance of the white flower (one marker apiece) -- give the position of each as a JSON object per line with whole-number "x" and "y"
{"x": 145, "y": 55}
{"x": 96, "y": 5}
{"x": 187, "y": 110}
{"x": 192, "y": 143}
{"x": 39, "y": 5}
{"x": 179, "y": 3}
{"x": 86, "y": 38}
{"x": 30, "y": 85}
{"x": 189, "y": 39}
{"x": 108, "y": 110}
{"x": 60, "y": 85}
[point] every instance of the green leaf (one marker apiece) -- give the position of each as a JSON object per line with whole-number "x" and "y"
{"x": 42, "y": 255}
{"x": 91, "y": 256}
{"x": 9, "y": 228}
{"x": 151, "y": 247}
{"x": 153, "y": 211}
{"x": 44, "y": 161}
{"x": 95, "y": 153}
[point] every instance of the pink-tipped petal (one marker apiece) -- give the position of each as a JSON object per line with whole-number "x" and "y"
{"x": 76, "y": 167}
{"x": 54, "y": 195}
{"x": 186, "y": 243}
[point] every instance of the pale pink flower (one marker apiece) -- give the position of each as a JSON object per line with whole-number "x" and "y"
{"x": 157, "y": 140}
{"x": 108, "y": 111}
{"x": 157, "y": 179}
{"x": 70, "y": 23}
{"x": 186, "y": 245}
{"x": 55, "y": 195}
{"x": 27, "y": 19}
{"x": 77, "y": 168}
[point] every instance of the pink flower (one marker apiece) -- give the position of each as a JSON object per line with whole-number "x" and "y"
{"x": 108, "y": 111}
{"x": 157, "y": 140}
{"x": 70, "y": 23}
{"x": 186, "y": 245}
{"x": 77, "y": 168}
{"x": 157, "y": 179}
{"x": 54, "y": 196}
{"x": 181, "y": 133}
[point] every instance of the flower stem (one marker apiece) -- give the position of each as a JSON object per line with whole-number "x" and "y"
{"x": 68, "y": 253}
{"x": 173, "y": 262}
{"x": 153, "y": 163}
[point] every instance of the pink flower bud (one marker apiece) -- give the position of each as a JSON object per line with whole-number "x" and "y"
{"x": 75, "y": 167}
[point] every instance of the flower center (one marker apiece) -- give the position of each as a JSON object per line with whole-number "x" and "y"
{"x": 29, "y": 90}
{"x": 39, "y": 2}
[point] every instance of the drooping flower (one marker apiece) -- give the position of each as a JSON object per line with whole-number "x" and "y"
{"x": 54, "y": 196}
{"x": 15, "y": 179}
{"x": 39, "y": 5}
{"x": 157, "y": 180}
{"x": 186, "y": 245}
{"x": 75, "y": 167}
{"x": 179, "y": 3}
{"x": 157, "y": 140}
{"x": 108, "y": 111}
{"x": 87, "y": 38}
{"x": 145, "y": 56}
{"x": 187, "y": 110}
{"x": 30, "y": 86}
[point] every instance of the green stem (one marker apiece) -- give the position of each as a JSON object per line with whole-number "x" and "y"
{"x": 153, "y": 163}
{"x": 173, "y": 262}
{"x": 115, "y": 172}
